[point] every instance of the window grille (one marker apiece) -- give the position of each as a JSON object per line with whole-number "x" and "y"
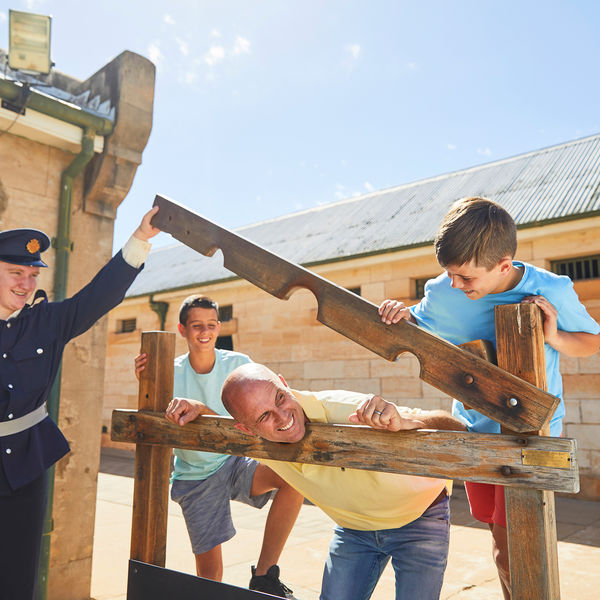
{"x": 224, "y": 342}
{"x": 354, "y": 290}
{"x": 225, "y": 313}
{"x": 127, "y": 325}
{"x": 583, "y": 267}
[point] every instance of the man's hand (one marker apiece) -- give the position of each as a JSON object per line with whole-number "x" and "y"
{"x": 183, "y": 410}
{"x": 381, "y": 414}
{"x": 392, "y": 311}
{"x": 145, "y": 230}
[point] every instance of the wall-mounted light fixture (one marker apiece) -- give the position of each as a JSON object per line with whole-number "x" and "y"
{"x": 29, "y": 42}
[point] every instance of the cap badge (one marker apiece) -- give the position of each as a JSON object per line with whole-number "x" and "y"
{"x": 33, "y": 246}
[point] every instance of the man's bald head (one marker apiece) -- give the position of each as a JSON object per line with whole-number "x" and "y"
{"x": 262, "y": 404}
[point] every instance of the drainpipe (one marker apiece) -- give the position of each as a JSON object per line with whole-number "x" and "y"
{"x": 160, "y": 308}
{"x": 63, "y": 246}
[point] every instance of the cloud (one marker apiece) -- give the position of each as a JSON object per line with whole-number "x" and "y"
{"x": 215, "y": 33}
{"x": 353, "y": 50}
{"x": 451, "y": 146}
{"x": 183, "y": 46}
{"x": 368, "y": 186}
{"x": 411, "y": 66}
{"x": 215, "y": 55}
{"x": 484, "y": 151}
{"x": 242, "y": 46}
{"x": 34, "y": 5}
{"x": 168, "y": 19}
{"x": 3, "y": 17}
{"x": 155, "y": 54}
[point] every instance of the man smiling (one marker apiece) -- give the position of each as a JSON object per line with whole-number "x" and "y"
{"x": 378, "y": 515}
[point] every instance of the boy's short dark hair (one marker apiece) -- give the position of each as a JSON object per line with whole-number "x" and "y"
{"x": 476, "y": 229}
{"x": 196, "y": 301}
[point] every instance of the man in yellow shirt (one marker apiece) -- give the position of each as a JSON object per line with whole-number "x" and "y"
{"x": 378, "y": 515}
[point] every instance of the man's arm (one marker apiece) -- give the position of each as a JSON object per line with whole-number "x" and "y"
{"x": 381, "y": 414}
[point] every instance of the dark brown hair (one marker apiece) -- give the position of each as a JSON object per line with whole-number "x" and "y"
{"x": 476, "y": 229}
{"x": 196, "y": 301}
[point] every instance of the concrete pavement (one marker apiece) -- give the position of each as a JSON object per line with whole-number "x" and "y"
{"x": 470, "y": 574}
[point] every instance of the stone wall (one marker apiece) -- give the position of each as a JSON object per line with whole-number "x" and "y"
{"x": 286, "y": 336}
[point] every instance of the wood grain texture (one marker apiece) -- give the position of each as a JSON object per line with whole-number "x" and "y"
{"x": 458, "y": 373}
{"x": 152, "y": 463}
{"x": 489, "y": 458}
{"x": 530, "y": 514}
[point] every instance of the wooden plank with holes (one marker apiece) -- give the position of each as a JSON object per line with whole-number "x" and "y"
{"x": 492, "y": 458}
{"x": 459, "y": 374}
{"x": 152, "y": 463}
{"x": 530, "y": 514}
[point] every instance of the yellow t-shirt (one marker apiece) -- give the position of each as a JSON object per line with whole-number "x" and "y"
{"x": 364, "y": 500}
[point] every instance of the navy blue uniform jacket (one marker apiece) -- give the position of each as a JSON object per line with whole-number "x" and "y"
{"x": 31, "y": 346}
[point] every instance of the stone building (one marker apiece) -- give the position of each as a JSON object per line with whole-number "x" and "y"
{"x": 380, "y": 246}
{"x": 69, "y": 150}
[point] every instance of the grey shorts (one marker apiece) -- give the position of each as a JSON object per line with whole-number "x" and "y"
{"x": 205, "y": 503}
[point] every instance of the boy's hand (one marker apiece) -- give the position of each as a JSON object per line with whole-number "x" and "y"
{"x": 183, "y": 410}
{"x": 392, "y": 311}
{"x": 549, "y": 318}
{"x": 140, "y": 364}
{"x": 381, "y": 414}
{"x": 145, "y": 230}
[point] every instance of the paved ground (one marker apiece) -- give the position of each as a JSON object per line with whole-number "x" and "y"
{"x": 470, "y": 574}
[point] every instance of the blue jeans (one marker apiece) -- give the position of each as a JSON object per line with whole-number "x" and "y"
{"x": 419, "y": 552}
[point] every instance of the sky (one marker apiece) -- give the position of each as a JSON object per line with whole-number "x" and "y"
{"x": 268, "y": 107}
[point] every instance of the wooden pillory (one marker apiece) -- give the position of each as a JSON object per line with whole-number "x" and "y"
{"x": 531, "y": 465}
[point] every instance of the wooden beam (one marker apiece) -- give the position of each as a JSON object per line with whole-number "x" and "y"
{"x": 152, "y": 463}
{"x": 508, "y": 460}
{"x": 530, "y": 514}
{"x": 459, "y": 374}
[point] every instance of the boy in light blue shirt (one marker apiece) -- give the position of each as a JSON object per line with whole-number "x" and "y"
{"x": 203, "y": 483}
{"x": 475, "y": 244}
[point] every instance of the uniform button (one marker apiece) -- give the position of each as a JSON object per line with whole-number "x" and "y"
{"x": 10, "y": 386}
{"x": 10, "y": 416}
{"x": 8, "y": 326}
{"x": 40, "y": 351}
{"x": 8, "y": 451}
{"x": 4, "y": 355}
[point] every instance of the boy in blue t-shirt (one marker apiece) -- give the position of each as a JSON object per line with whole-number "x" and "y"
{"x": 203, "y": 483}
{"x": 475, "y": 244}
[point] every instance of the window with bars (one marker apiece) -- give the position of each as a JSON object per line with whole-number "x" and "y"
{"x": 583, "y": 267}
{"x": 420, "y": 286}
{"x": 354, "y": 290}
{"x": 126, "y": 325}
{"x": 225, "y": 313}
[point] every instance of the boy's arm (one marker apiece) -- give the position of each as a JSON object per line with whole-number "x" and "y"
{"x": 570, "y": 343}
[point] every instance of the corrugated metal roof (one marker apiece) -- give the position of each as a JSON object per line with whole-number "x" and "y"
{"x": 551, "y": 184}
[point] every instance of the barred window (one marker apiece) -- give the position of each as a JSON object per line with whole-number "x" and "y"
{"x": 583, "y": 267}
{"x": 420, "y": 286}
{"x": 224, "y": 342}
{"x": 226, "y": 313}
{"x": 354, "y": 290}
{"x": 126, "y": 325}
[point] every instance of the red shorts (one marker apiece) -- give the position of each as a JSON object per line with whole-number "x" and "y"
{"x": 486, "y": 502}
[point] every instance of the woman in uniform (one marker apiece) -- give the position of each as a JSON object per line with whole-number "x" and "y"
{"x": 33, "y": 334}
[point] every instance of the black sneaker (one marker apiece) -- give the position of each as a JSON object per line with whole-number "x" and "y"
{"x": 269, "y": 583}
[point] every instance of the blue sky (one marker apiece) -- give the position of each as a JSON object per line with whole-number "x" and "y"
{"x": 267, "y": 107}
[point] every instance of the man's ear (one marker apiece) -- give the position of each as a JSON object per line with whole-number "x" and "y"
{"x": 244, "y": 429}
{"x": 283, "y": 380}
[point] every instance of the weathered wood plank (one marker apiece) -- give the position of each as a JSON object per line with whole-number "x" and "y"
{"x": 459, "y": 374}
{"x": 151, "y": 479}
{"x": 531, "y": 519}
{"x": 489, "y": 458}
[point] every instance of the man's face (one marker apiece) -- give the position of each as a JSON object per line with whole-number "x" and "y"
{"x": 201, "y": 329}
{"x": 477, "y": 282}
{"x": 17, "y": 284}
{"x": 270, "y": 411}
